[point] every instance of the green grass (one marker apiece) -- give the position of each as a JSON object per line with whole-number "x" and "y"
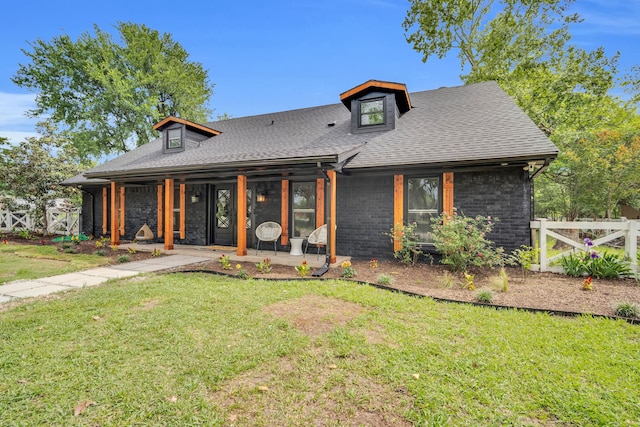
{"x": 18, "y": 262}
{"x": 196, "y": 349}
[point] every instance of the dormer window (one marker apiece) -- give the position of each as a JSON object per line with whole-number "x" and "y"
{"x": 375, "y": 105}
{"x": 372, "y": 112}
{"x": 177, "y": 132}
{"x": 174, "y": 139}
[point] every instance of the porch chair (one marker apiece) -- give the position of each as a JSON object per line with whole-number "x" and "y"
{"x": 318, "y": 237}
{"x": 268, "y": 232}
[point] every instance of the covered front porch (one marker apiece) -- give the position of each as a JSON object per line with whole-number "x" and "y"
{"x": 252, "y": 256}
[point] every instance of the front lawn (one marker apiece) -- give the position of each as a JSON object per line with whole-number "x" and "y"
{"x": 200, "y": 349}
{"x": 19, "y": 262}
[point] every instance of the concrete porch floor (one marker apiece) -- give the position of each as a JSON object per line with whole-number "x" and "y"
{"x": 214, "y": 252}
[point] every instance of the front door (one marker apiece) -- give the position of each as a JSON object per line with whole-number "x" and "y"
{"x": 225, "y": 212}
{"x": 224, "y": 218}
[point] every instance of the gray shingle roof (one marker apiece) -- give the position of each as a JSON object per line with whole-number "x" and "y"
{"x": 445, "y": 126}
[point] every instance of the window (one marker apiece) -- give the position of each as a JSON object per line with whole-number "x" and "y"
{"x": 176, "y": 210}
{"x": 423, "y": 203}
{"x": 372, "y": 112}
{"x": 304, "y": 208}
{"x": 174, "y": 138}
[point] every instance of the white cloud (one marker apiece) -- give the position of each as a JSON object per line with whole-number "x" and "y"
{"x": 14, "y": 123}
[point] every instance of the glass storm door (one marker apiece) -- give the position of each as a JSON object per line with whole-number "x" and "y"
{"x": 224, "y": 215}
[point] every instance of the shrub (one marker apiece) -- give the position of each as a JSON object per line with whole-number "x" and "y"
{"x": 484, "y": 295}
{"x": 225, "y": 261}
{"x": 409, "y": 251}
{"x": 591, "y": 263}
{"x": 525, "y": 257}
{"x": 502, "y": 281}
{"x": 70, "y": 250}
{"x": 447, "y": 281}
{"x": 99, "y": 252}
{"x": 242, "y": 274}
{"x": 385, "y": 280}
{"x": 264, "y": 266}
{"x": 156, "y": 253}
{"x": 348, "y": 271}
{"x": 123, "y": 258}
{"x": 627, "y": 309}
{"x": 468, "y": 281}
{"x": 462, "y": 242}
{"x": 303, "y": 269}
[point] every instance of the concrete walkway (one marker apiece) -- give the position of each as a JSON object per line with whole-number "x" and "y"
{"x": 48, "y": 285}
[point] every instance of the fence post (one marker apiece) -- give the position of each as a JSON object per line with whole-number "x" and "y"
{"x": 631, "y": 243}
{"x": 542, "y": 245}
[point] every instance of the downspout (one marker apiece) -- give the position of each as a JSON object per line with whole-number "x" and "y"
{"x": 327, "y": 214}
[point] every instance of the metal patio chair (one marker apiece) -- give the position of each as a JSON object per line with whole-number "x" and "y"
{"x": 318, "y": 237}
{"x": 268, "y": 232}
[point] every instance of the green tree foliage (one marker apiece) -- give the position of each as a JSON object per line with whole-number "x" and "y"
{"x": 33, "y": 170}
{"x": 525, "y": 47}
{"x": 596, "y": 173}
{"x": 108, "y": 95}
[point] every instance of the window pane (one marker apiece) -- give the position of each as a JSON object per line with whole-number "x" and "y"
{"x": 423, "y": 203}
{"x": 423, "y": 193}
{"x": 372, "y": 112}
{"x": 174, "y": 138}
{"x": 304, "y": 208}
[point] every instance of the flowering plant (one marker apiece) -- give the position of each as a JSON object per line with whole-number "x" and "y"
{"x": 225, "y": 261}
{"x": 156, "y": 253}
{"x": 264, "y": 266}
{"x": 463, "y": 243}
{"x": 587, "y": 284}
{"x": 594, "y": 264}
{"x": 303, "y": 269}
{"x": 373, "y": 263}
{"x": 348, "y": 271}
{"x": 410, "y": 250}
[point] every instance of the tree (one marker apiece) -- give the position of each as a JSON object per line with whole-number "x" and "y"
{"x": 108, "y": 95}
{"x": 523, "y": 45}
{"x": 565, "y": 90}
{"x": 32, "y": 171}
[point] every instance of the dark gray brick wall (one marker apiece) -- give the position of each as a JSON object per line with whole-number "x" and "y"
{"x": 504, "y": 194}
{"x": 269, "y": 210}
{"x": 364, "y": 214}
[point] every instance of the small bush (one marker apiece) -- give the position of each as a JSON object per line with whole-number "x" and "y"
{"x": 242, "y": 274}
{"x": 123, "y": 258}
{"x": 600, "y": 266}
{"x": 484, "y": 295}
{"x": 348, "y": 271}
{"x": 132, "y": 250}
{"x": 627, "y": 309}
{"x": 70, "y": 250}
{"x": 468, "y": 281}
{"x": 264, "y": 266}
{"x": 409, "y": 251}
{"x": 447, "y": 280}
{"x": 385, "y": 280}
{"x": 462, "y": 241}
{"x": 100, "y": 252}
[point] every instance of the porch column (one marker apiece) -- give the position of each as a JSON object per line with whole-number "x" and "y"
{"x": 332, "y": 215}
{"x": 398, "y": 210}
{"x": 160, "y": 211}
{"x": 447, "y": 193}
{"x": 284, "y": 212}
{"x": 168, "y": 214}
{"x": 115, "y": 228}
{"x": 105, "y": 210}
{"x": 242, "y": 216}
{"x": 122, "y": 210}
{"x": 183, "y": 205}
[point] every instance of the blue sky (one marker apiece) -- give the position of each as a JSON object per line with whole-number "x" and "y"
{"x": 266, "y": 56}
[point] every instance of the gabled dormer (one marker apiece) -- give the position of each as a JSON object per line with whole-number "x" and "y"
{"x": 375, "y": 105}
{"x": 177, "y": 133}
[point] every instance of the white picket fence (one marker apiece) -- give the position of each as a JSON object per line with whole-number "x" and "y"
{"x": 60, "y": 221}
{"x": 607, "y": 230}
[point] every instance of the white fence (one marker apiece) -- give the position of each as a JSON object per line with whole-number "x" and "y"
{"x": 606, "y": 232}
{"x": 59, "y": 221}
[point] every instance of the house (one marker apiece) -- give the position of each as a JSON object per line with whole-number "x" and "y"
{"x": 382, "y": 156}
